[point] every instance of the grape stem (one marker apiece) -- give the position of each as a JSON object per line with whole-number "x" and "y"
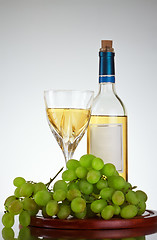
{"x": 51, "y": 179}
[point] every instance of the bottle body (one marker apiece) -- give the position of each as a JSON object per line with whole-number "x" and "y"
{"x": 107, "y": 130}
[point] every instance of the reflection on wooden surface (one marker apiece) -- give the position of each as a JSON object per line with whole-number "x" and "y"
{"x": 48, "y": 233}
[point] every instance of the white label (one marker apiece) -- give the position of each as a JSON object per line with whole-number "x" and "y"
{"x": 106, "y": 142}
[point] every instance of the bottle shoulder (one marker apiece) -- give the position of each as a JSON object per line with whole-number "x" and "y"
{"x": 108, "y": 104}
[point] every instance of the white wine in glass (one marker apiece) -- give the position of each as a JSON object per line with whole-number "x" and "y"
{"x": 68, "y": 113}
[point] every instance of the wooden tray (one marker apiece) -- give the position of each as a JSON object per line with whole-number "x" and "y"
{"x": 149, "y": 218}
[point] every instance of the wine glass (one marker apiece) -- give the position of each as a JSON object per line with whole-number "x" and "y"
{"x": 68, "y": 114}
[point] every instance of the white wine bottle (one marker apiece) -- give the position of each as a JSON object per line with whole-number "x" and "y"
{"x": 107, "y": 130}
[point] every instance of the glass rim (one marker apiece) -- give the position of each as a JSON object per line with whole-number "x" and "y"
{"x": 70, "y": 90}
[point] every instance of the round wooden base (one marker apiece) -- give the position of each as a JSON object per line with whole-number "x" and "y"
{"x": 149, "y": 218}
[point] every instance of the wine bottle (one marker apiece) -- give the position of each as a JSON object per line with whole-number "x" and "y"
{"x": 107, "y": 130}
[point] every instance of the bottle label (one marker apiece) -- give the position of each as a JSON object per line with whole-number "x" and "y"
{"x": 106, "y": 142}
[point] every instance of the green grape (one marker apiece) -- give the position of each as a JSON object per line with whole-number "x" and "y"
{"x": 89, "y": 198}
{"x": 42, "y": 197}
{"x": 129, "y": 211}
{"x": 116, "y": 182}
{"x": 90, "y": 213}
{"x": 19, "y": 181}
{"x": 95, "y": 190}
{"x": 59, "y": 195}
{"x": 127, "y": 187}
{"x": 24, "y": 234}
{"x": 24, "y": 218}
{"x": 26, "y": 190}
{"x": 106, "y": 193}
{"x": 97, "y": 163}
{"x": 118, "y": 198}
{"x": 8, "y": 220}
{"x": 98, "y": 205}
{"x": 124, "y": 204}
{"x": 52, "y": 208}
{"x": 8, "y": 233}
{"x": 117, "y": 209}
{"x": 34, "y": 212}
{"x": 39, "y": 187}
{"x": 78, "y": 205}
{"x": 9, "y": 200}
{"x": 29, "y": 204}
{"x": 81, "y": 172}
{"x": 66, "y": 202}
{"x": 81, "y": 215}
{"x": 85, "y": 187}
{"x": 69, "y": 175}
{"x": 86, "y": 160}
{"x": 102, "y": 183}
{"x": 44, "y": 213}
{"x": 73, "y": 185}
{"x": 15, "y": 207}
{"x": 116, "y": 173}
{"x": 93, "y": 176}
{"x": 72, "y": 164}
{"x": 141, "y": 238}
{"x": 108, "y": 170}
{"x": 141, "y": 206}
{"x": 73, "y": 193}
{"x": 141, "y": 195}
{"x": 64, "y": 211}
{"x": 60, "y": 184}
{"x": 131, "y": 197}
{"x": 17, "y": 192}
{"x": 108, "y": 212}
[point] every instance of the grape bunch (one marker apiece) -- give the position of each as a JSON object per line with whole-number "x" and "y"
{"x": 88, "y": 188}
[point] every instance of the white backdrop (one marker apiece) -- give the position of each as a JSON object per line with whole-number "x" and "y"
{"x": 54, "y": 44}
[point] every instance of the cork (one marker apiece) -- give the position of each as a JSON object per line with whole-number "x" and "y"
{"x": 106, "y": 46}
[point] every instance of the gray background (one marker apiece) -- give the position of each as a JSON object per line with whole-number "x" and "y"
{"x": 54, "y": 44}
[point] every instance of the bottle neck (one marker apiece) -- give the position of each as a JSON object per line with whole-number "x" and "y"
{"x": 107, "y": 88}
{"x": 106, "y": 67}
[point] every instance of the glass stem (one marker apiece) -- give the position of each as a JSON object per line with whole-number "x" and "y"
{"x": 66, "y": 152}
